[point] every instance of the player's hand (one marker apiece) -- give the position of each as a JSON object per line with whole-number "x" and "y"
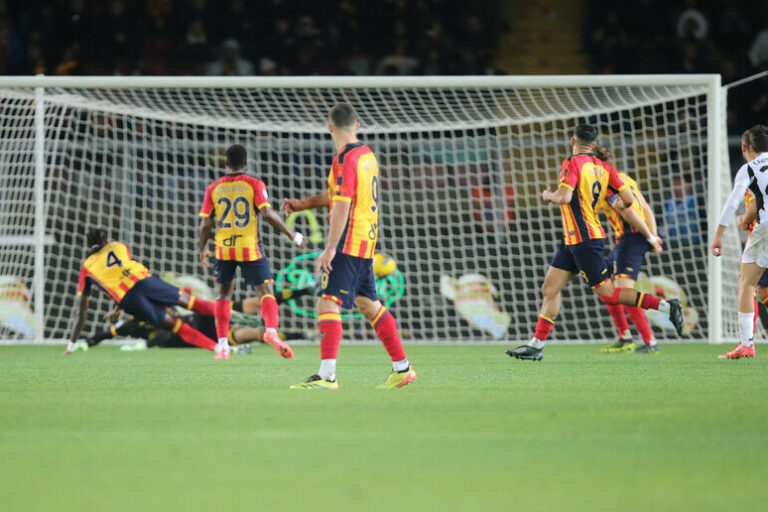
{"x": 547, "y": 194}
{"x": 204, "y": 255}
{"x": 292, "y": 205}
{"x": 717, "y": 246}
{"x": 742, "y": 225}
{"x": 113, "y": 315}
{"x": 657, "y": 246}
{"x": 323, "y": 262}
{"x": 303, "y": 243}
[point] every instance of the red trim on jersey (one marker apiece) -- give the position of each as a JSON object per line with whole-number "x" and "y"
{"x": 246, "y": 254}
{"x": 363, "y": 248}
{"x": 134, "y": 278}
{"x": 124, "y": 287}
{"x": 232, "y": 253}
{"x": 219, "y": 253}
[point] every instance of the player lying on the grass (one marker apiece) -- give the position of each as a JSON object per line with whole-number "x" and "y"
{"x": 636, "y": 233}
{"x": 346, "y": 262}
{"x": 584, "y": 181}
{"x": 153, "y": 337}
{"x": 109, "y": 266}
{"x": 747, "y": 223}
{"x": 236, "y": 201}
{"x": 751, "y": 176}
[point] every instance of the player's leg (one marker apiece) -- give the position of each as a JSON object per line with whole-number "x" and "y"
{"x": 551, "y": 293}
{"x": 749, "y": 276}
{"x": 224, "y": 274}
{"x": 637, "y": 315}
{"x": 252, "y": 305}
{"x": 259, "y": 275}
{"x": 385, "y": 325}
{"x": 761, "y": 294}
{"x": 624, "y": 342}
{"x": 190, "y": 301}
{"x": 188, "y": 333}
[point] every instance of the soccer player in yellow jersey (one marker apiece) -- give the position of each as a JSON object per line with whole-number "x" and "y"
{"x": 635, "y": 230}
{"x": 236, "y": 201}
{"x": 584, "y": 181}
{"x": 347, "y": 261}
{"x": 127, "y": 282}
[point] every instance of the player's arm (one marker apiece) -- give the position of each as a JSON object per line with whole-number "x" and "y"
{"x": 740, "y": 184}
{"x": 750, "y": 215}
{"x": 310, "y": 202}
{"x": 274, "y": 220}
{"x": 339, "y": 216}
{"x": 82, "y": 313}
{"x": 640, "y": 225}
{"x": 648, "y": 213}
{"x": 562, "y": 195}
{"x": 206, "y": 232}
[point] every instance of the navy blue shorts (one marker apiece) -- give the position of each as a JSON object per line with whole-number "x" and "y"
{"x": 627, "y": 257}
{"x": 149, "y": 298}
{"x": 586, "y": 259}
{"x": 763, "y": 279}
{"x": 253, "y": 272}
{"x": 351, "y": 276}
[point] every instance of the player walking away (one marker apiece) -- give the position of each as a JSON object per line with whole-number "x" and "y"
{"x": 584, "y": 180}
{"x": 636, "y": 233}
{"x": 346, "y": 263}
{"x": 237, "y": 200}
{"x": 135, "y": 290}
{"x": 754, "y": 260}
{"x": 747, "y": 223}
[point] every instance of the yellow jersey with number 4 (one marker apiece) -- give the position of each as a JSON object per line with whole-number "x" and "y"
{"x": 111, "y": 269}
{"x": 354, "y": 179}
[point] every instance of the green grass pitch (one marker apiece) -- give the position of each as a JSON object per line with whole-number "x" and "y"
{"x": 175, "y": 430}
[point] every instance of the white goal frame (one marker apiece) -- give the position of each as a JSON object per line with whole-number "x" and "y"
{"x": 716, "y": 136}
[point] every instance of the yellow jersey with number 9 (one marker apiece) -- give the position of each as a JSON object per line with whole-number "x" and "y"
{"x": 112, "y": 269}
{"x": 589, "y": 179}
{"x": 354, "y": 178}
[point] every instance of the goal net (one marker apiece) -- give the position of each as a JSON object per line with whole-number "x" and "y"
{"x": 463, "y": 163}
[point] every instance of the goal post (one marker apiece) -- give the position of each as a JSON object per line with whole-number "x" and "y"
{"x": 463, "y": 162}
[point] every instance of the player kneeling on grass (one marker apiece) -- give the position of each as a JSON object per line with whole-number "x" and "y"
{"x": 347, "y": 261}
{"x": 752, "y": 176}
{"x": 584, "y": 181}
{"x": 636, "y": 234}
{"x": 135, "y": 290}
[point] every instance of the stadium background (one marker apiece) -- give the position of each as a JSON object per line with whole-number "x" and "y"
{"x": 448, "y": 37}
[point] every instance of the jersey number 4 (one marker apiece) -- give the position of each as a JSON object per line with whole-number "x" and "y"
{"x": 113, "y": 260}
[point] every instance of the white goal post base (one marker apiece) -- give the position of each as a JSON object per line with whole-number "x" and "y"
{"x": 463, "y": 162}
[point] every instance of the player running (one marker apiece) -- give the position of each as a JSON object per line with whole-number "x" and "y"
{"x": 135, "y": 290}
{"x": 346, "y": 262}
{"x": 754, "y": 260}
{"x": 237, "y": 200}
{"x": 635, "y": 230}
{"x": 584, "y": 180}
{"x": 747, "y": 223}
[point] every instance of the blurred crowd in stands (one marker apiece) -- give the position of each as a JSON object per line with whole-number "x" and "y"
{"x": 249, "y": 37}
{"x": 729, "y": 37}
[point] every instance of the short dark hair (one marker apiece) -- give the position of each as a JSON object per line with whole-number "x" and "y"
{"x": 756, "y": 137}
{"x": 585, "y": 133}
{"x": 343, "y": 115}
{"x": 237, "y": 157}
{"x": 96, "y": 238}
{"x": 603, "y": 153}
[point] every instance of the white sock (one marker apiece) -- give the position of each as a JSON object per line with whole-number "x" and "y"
{"x": 664, "y": 306}
{"x": 327, "y": 369}
{"x": 536, "y": 343}
{"x": 272, "y": 329}
{"x": 653, "y": 343}
{"x": 626, "y": 336}
{"x": 223, "y": 344}
{"x": 400, "y": 366}
{"x": 746, "y": 328}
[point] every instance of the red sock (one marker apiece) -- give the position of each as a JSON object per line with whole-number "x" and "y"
{"x": 222, "y": 312}
{"x": 329, "y": 325}
{"x": 269, "y": 311}
{"x": 544, "y": 326}
{"x": 386, "y": 329}
{"x": 204, "y": 307}
{"x": 193, "y": 337}
{"x": 647, "y": 301}
{"x": 619, "y": 320}
{"x": 641, "y": 323}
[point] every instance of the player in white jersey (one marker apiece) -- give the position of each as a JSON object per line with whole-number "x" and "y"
{"x": 752, "y": 176}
